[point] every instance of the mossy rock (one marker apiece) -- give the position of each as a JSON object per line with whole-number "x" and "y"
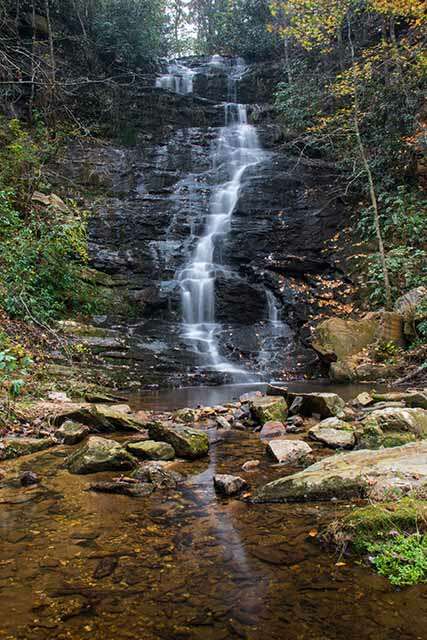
{"x": 269, "y": 409}
{"x": 188, "y": 443}
{"x": 16, "y": 447}
{"x": 100, "y": 454}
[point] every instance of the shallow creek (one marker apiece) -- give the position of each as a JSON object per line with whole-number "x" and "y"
{"x": 183, "y": 564}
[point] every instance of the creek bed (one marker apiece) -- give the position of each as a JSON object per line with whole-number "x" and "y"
{"x": 183, "y": 564}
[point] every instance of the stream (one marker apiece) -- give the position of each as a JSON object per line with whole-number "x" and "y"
{"x": 184, "y": 563}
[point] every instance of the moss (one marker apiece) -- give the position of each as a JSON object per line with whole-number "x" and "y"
{"x": 397, "y": 439}
{"x": 366, "y": 525}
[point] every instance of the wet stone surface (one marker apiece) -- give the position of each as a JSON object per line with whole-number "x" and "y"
{"x": 182, "y": 563}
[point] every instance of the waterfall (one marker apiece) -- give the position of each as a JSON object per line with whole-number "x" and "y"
{"x": 178, "y": 79}
{"x": 237, "y": 148}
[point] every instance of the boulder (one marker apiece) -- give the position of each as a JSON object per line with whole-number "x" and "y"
{"x": 288, "y": 451}
{"x": 296, "y": 406}
{"x": 275, "y": 390}
{"x": 413, "y": 399}
{"x": 357, "y": 474}
{"x": 114, "y": 418}
{"x": 100, "y": 454}
{"x": 188, "y": 443}
{"x": 326, "y": 405}
{"x": 186, "y": 415}
{"x": 272, "y": 430}
{"x": 222, "y": 422}
{"x": 228, "y": 485}
{"x": 397, "y": 419}
{"x": 72, "y": 432}
{"x": 269, "y": 408}
{"x": 151, "y": 450}
{"x": 412, "y": 307}
{"x": 123, "y": 488}
{"x": 334, "y": 433}
{"x": 364, "y": 399}
{"x": 156, "y": 473}
{"x": 16, "y": 447}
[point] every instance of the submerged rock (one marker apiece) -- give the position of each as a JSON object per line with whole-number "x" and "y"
{"x": 157, "y": 475}
{"x": 272, "y": 430}
{"x": 250, "y": 465}
{"x": 269, "y": 409}
{"x": 151, "y": 450}
{"x": 228, "y": 485}
{"x": 288, "y": 451}
{"x": 29, "y": 478}
{"x": 188, "y": 443}
{"x": 334, "y": 433}
{"x": 326, "y": 405}
{"x": 100, "y": 454}
{"x": 72, "y": 432}
{"x": 16, "y": 447}
{"x": 363, "y": 474}
{"x": 123, "y": 487}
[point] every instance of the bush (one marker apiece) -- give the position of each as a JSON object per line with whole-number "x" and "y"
{"x": 403, "y": 559}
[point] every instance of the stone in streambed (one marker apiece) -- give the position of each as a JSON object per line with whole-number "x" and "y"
{"x": 326, "y": 405}
{"x": 100, "y": 454}
{"x": 16, "y": 447}
{"x": 157, "y": 474}
{"x": 250, "y": 465}
{"x": 228, "y": 485}
{"x": 151, "y": 450}
{"x": 334, "y": 433}
{"x": 222, "y": 422}
{"x": 412, "y": 399}
{"x": 361, "y": 474}
{"x": 188, "y": 443}
{"x": 272, "y": 430}
{"x": 72, "y": 432}
{"x": 288, "y": 451}
{"x": 268, "y": 409}
{"x": 123, "y": 488}
{"x": 29, "y": 478}
{"x": 391, "y": 427}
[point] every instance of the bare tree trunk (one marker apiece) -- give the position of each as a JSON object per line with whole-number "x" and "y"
{"x": 33, "y": 62}
{"x": 52, "y": 57}
{"x": 372, "y": 191}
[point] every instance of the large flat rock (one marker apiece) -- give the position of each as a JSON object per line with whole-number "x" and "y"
{"x": 367, "y": 474}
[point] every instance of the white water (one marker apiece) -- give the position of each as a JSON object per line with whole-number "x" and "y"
{"x": 236, "y": 149}
{"x": 178, "y": 79}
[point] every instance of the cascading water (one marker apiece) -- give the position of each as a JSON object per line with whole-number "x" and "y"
{"x": 178, "y": 79}
{"x": 236, "y": 149}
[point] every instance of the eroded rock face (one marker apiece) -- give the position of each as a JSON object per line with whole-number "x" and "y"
{"x": 391, "y": 427}
{"x": 187, "y": 443}
{"x": 325, "y": 405}
{"x": 367, "y": 474}
{"x": 100, "y": 454}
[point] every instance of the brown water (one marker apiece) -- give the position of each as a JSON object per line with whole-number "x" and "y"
{"x": 183, "y": 564}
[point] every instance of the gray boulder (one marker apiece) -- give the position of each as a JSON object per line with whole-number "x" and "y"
{"x": 334, "y": 433}
{"x": 288, "y": 451}
{"x": 188, "y": 443}
{"x": 326, "y": 405}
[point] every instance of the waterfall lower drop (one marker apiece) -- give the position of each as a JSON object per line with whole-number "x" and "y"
{"x": 236, "y": 149}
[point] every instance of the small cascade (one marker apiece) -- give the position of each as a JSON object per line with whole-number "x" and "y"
{"x": 236, "y": 149}
{"x": 178, "y": 79}
{"x": 273, "y": 310}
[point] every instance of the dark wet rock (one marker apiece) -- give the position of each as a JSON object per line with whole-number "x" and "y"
{"x": 288, "y": 451}
{"x": 158, "y": 475}
{"x": 272, "y": 429}
{"x": 228, "y": 485}
{"x": 250, "y": 465}
{"x": 123, "y": 488}
{"x": 151, "y": 450}
{"x": 72, "y": 432}
{"x": 188, "y": 443}
{"x": 274, "y": 390}
{"x": 16, "y": 447}
{"x": 100, "y": 454}
{"x": 29, "y": 478}
{"x": 326, "y": 405}
{"x": 363, "y": 474}
{"x": 269, "y": 408}
{"x": 294, "y": 424}
{"x": 296, "y": 406}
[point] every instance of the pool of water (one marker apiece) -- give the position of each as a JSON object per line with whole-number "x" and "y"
{"x": 167, "y": 399}
{"x": 183, "y": 564}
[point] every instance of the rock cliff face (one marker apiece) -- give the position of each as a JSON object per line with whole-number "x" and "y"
{"x": 147, "y": 196}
